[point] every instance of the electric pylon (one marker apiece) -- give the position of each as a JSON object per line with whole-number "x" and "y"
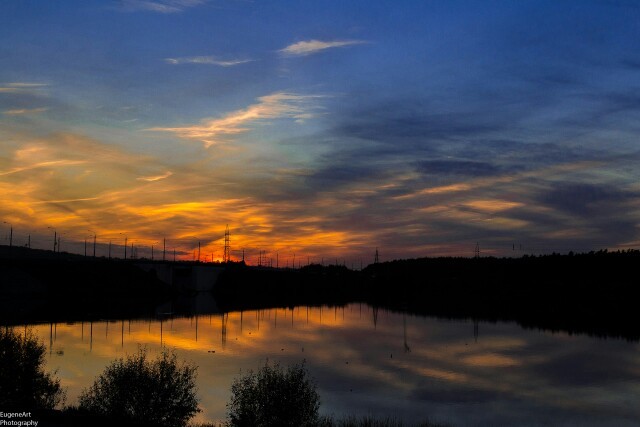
{"x": 227, "y": 248}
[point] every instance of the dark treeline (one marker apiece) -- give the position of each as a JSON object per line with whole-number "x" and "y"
{"x": 588, "y": 293}
{"x": 591, "y": 293}
{"x": 585, "y": 293}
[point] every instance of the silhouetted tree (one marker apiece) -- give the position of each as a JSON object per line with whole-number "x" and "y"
{"x": 274, "y": 396}
{"x": 23, "y": 382}
{"x": 159, "y": 392}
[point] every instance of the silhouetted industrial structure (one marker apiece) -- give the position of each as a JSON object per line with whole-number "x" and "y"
{"x": 227, "y": 247}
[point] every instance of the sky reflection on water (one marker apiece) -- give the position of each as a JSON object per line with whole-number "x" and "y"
{"x": 369, "y": 361}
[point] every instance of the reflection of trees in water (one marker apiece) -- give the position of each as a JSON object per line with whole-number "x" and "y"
{"x": 225, "y": 320}
{"x": 375, "y": 317}
{"x": 407, "y": 349}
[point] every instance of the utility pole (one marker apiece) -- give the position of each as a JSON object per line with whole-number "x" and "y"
{"x": 125, "y": 247}
{"x": 227, "y": 246}
{"x": 376, "y": 260}
{"x": 55, "y": 240}
{"x": 477, "y": 251}
{"x": 164, "y": 248}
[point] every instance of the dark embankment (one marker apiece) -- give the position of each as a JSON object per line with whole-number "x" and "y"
{"x": 585, "y": 293}
{"x": 45, "y": 286}
{"x": 241, "y": 288}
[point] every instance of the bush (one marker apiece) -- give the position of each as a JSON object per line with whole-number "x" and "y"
{"x": 23, "y": 382}
{"x": 274, "y": 396}
{"x": 158, "y": 392}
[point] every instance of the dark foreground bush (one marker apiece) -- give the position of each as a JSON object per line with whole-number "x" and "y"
{"x": 159, "y": 392}
{"x": 274, "y": 397}
{"x": 23, "y": 383}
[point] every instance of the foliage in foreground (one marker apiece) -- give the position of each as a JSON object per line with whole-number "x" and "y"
{"x": 158, "y": 392}
{"x": 23, "y": 382}
{"x": 274, "y": 396}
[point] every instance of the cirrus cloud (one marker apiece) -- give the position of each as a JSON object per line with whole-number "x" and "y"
{"x": 274, "y": 106}
{"x": 309, "y": 47}
{"x": 160, "y": 6}
{"x": 207, "y": 60}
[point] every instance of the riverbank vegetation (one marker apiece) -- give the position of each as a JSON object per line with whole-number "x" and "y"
{"x": 24, "y": 383}
{"x": 160, "y": 392}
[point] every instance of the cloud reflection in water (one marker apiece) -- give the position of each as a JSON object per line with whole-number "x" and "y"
{"x": 369, "y": 361}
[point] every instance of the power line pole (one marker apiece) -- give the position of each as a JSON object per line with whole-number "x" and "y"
{"x": 376, "y": 260}
{"x": 227, "y": 247}
{"x": 477, "y": 251}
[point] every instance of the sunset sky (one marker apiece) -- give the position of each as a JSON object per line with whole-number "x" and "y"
{"x": 324, "y": 129}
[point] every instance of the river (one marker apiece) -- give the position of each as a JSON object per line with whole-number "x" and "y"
{"x": 369, "y": 361}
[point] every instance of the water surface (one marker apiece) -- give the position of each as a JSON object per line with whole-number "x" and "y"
{"x": 371, "y": 361}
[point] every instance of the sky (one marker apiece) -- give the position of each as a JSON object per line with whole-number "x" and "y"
{"x": 321, "y": 130}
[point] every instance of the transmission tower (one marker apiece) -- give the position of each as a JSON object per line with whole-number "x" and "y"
{"x": 227, "y": 249}
{"x": 477, "y": 251}
{"x": 376, "y": 260}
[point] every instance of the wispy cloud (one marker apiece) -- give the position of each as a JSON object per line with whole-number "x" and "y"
{"x": 159, "y": 6}
{"x": 21, "y": 111}
{"x": 155, "y": 177}
{"x": 207, "y": 60}
{"x": 275, "y": 106}
{"x": 310, "y": 47}
{"x": 20, "y": 87}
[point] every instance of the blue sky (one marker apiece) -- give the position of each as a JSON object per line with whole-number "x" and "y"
{"x": 325, "y": 129}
